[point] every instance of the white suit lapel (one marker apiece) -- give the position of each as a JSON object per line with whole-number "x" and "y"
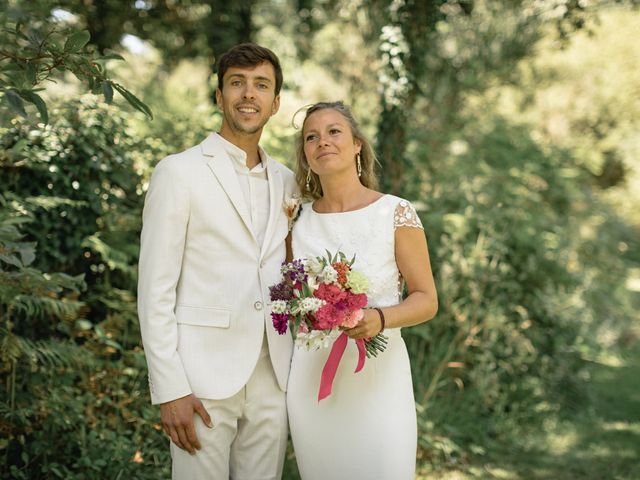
{"x": 220, "y": 164}
{"x": 276, "y": 189}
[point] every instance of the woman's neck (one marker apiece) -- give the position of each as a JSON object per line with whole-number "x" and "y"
{"x": 343, "y": 195}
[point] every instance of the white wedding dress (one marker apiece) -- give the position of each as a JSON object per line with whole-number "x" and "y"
{"x": 366, "y": 428}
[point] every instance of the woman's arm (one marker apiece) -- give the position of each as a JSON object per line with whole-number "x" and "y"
{"x": 412, "y": 257}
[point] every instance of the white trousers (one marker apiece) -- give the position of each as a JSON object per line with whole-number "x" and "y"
{"x": 249, "y": 435}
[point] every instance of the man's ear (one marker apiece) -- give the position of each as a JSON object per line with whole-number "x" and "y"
{"x": 276, "y": 105}
{"x": 219, "y": 98}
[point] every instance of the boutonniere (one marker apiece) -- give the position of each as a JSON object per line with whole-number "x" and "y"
{"x": 292, "y": 209}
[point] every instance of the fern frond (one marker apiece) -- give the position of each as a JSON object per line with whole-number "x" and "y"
{"x": 114, "y": 258}
{"x": 49, "y": 203}
{"x": 41, "y": 306}
{"x": 50, "y": 352}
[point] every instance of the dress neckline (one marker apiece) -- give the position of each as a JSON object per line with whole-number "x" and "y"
{"x": 349, "y": 211}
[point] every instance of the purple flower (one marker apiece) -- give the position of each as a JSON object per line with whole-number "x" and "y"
{"x": 280, "y": 322}
{"x": 295, "y": 271}
{"x": 281, "y": 291}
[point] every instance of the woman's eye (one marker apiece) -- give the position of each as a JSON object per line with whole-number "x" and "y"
{"x": 334, "y": 131}
{"x": 309, "y": 138}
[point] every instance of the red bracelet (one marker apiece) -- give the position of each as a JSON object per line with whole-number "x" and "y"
{"x": 381, "y": 318}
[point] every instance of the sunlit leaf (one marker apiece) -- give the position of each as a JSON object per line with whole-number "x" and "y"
{"x": 110, "y": 56}
{"x": 15, "y": 102}
{"x": 133, "y": 100}
{"x": 107, "y": 90}
{"x": 39, "y": 103}
{"x": 77, "y": 41}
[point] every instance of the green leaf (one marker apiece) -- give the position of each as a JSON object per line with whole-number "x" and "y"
{"x": 110, "y": 56}
{"x": 112, "y": 343}
{"x": 107, "y": 90}
{"x": 39, "y": 103}
{"x": 77, "y": 41}
{"x": 54, "y": 46}
{"x": 31, "y": 73}
{"x": 10, "y": 67}
{"x": 133, "y": 100}
{"x": 10, "y": 259}
{"x": 27, "y": 253}
{"x": 15, "y": 102}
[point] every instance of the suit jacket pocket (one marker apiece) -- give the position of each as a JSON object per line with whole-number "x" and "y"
{"x": 203, "y": 316}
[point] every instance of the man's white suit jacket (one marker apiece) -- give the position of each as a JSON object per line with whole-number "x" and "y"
{"x": 203, "y": 298}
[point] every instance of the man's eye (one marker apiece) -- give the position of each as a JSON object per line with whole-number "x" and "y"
{"x": 263, "y": 86}
{"x": 235, "y": 83}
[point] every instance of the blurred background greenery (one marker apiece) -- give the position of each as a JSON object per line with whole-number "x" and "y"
{"x": 514, "y": 126}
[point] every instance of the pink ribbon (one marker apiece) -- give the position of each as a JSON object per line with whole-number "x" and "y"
{"x": 331, "y": 366}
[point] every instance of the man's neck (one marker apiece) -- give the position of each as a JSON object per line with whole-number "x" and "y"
{"x": 246, "y": 142}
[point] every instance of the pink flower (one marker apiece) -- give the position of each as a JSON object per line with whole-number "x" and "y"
{"x": 328, "y": 317}
{"x": 352, "y": 319}
{"x": 356, "y": 301}
{"x": 330, "y": 293}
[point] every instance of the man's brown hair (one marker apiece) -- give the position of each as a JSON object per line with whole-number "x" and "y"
{"x": 249, "y": 55}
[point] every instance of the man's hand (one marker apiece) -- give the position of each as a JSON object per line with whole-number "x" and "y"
{"x": 177, "y": 421}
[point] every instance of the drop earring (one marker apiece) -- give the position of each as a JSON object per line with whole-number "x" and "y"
{"x": 308, "y": 178}
{"x": 358, "y": 164}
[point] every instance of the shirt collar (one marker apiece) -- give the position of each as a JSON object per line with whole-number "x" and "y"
{"x": 239, "y": 156}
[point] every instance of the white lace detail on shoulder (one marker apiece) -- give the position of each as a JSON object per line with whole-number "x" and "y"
{"x": 405, "y": 216}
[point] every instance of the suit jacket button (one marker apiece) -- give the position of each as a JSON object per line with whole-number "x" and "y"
{"x": 258, "y": 305}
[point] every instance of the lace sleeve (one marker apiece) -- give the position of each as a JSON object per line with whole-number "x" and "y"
{"x": 405, "y": 216}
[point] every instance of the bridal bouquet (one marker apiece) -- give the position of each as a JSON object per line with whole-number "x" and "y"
{"x": 320, "y": 297}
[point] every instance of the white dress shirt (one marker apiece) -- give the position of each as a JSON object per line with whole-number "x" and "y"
{"x": 254, "y": 186}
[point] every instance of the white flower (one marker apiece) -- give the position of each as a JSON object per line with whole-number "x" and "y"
{"x": 313, "y": 283}
{"x": 279, "y": 306}
{"x": 316, "y": 339}
{"x": 311, "y": 304}
{"x": 329, "y": 274}
{"x": 312, "y": 265}
{"x": 292, "y": 208}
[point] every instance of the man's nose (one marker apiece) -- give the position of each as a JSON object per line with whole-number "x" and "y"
{"x": 249, "y": 91}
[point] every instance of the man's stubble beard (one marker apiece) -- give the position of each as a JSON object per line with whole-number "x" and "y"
{"x": 237, "y": 127}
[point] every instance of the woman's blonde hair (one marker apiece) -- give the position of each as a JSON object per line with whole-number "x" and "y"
{"x": 368, "y": 177}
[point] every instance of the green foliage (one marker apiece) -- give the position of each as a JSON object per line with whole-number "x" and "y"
{"x": 33, "y": 53}
{"x": 517, "y": 303}
{"x": 532, "y": 253}
{"x": 71, "y": 359}
{"x": 75, "y": 180}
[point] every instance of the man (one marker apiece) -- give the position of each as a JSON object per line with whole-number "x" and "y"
{"x": 212, "y": 243}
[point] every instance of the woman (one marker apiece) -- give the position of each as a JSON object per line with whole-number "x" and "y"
{"x": 366, "y": 429}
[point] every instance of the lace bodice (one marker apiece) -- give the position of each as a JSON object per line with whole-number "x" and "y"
{"x": 369, "y": 233}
